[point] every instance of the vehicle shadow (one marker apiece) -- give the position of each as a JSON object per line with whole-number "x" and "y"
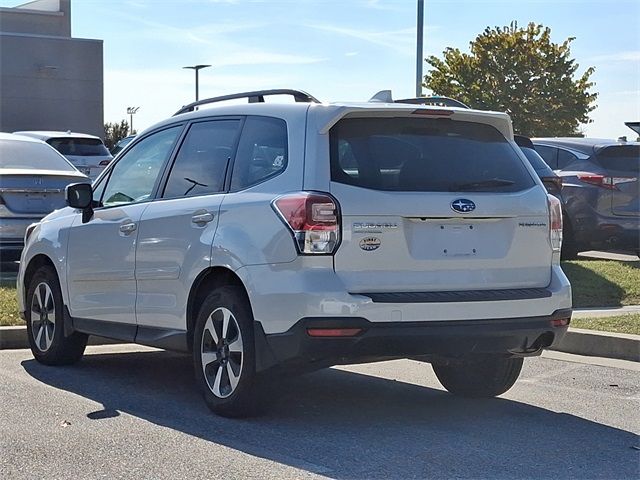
{"x": 352, "y": 426}
{"x": 591, "y": 289}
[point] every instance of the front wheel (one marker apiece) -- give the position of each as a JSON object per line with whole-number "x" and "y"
{"x": 479, "y": 377}
{"x": 224, "y": 353}
{"x": 45, "y": 322}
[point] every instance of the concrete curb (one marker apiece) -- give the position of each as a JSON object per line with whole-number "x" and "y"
{"x": 605, "y": 311}
{"x": 601, "y": 344}
{"x": 16, "y": 337}
{"x": 577, "y": 341}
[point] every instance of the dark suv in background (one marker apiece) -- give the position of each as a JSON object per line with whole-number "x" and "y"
{"x": 600, "y": 191}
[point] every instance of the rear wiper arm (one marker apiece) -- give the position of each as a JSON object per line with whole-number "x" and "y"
{"x": 494, "y": 182}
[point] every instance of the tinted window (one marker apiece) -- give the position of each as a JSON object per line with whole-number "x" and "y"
{"x": 31, "y": 155}
{"x": 84, "y": 147}
{"x": 549, "y": 155}
{"x": 437, "y": 155}
{"x": 535, "y": 159}
{"x": 134, "y": 176}
{"x": 565, "y": 158}
{"x": 622, "y": 159}
{"x": 201, "y": 163}
{"x": 262, "y": 152}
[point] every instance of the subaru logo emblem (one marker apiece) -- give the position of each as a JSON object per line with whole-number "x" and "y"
{"x": 462, "y": 205}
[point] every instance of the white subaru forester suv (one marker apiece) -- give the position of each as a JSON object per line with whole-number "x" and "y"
{"x": 267, "y": 237}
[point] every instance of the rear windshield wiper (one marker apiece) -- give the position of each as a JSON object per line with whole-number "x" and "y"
{"x": 494, "y": 182}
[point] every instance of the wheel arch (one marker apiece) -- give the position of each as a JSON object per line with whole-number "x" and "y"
{"x": 207, "y": 280}
{"x": 35, "y": 263}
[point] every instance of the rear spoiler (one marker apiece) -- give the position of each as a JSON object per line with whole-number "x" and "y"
{"x": 328, "y": 116}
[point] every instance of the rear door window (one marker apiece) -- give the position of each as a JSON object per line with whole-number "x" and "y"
{"x": 549, "y": 155}
{"x": 565, "y": 158}
{"x": 621, "y": 159}
{"x": 262, "y": 152}
{"x": 201, "y": 163}
{"x": 434, "y": 155}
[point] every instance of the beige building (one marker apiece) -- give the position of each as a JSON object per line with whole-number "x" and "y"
{"x": 48, "y": 79}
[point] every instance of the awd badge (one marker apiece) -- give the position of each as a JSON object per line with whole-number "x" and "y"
{"x": 369, "y": 244}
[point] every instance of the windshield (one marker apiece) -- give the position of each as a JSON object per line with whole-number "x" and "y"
{"x": 436, "y": 155}
{"x": 82, "y": 147}
{"x": 31, "y": 155}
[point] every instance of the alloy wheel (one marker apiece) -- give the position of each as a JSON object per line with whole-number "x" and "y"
{"x": 222, "y": 352}
{"x": 43, "y": 316}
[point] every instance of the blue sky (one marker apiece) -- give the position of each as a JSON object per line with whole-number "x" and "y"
{"x": 336, "y": 50}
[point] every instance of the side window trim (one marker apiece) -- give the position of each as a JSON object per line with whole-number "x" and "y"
{"x": 164, "y": 178}
{"x": 112, "y": 165}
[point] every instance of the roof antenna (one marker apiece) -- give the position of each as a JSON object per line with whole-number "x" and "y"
{"x": 383, "y": 96}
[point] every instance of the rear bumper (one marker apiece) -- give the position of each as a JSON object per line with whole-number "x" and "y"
{"x": 384, "y": 340}
{"x": 594, "y": 230}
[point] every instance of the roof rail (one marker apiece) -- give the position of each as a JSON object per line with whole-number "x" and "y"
{"x": 253, "y": 97}
{"x": 434, "y": 100}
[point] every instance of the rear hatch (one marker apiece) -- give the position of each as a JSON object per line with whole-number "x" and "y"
{"x": 622, "y": 163}
{"x": 89, "y": 155}
{"x": 436, "y": 204}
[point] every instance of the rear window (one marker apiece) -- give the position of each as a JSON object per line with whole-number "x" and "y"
{"x": 425, "y": 155}
{"x": 621, "y": 158}
{"x": 82, "y": 147}
{"x": 32, "y": 156}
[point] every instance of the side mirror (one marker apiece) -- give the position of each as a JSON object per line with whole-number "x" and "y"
{"x": 80, "y": 195}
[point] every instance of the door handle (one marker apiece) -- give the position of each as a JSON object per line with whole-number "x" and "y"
{"x": 128, "y": 228}
{"x": 202, "y": 218}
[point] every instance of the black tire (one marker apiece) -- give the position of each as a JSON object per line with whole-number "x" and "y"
{"x": 483, "y": 376}
{"x": 46, "y": 330}
{"x": 569, "y": 249}
{"x": 227, "y": 400}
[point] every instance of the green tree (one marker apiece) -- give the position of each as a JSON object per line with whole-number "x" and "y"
{"x": 519, "y": 71}
{"x": 114, "y": 132}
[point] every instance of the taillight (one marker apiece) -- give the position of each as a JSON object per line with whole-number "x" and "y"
{"x": 610, "y": 183}
{"x": 314, "y": 221}
{"x": 555, "y": 222}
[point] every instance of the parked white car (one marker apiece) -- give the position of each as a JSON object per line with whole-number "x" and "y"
{"x": 33, "y": 177}
{"x": 263, "y": 237}
{"x": 86, "y": 152}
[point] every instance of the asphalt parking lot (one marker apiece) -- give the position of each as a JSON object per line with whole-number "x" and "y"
{"x": 133, "y": 412}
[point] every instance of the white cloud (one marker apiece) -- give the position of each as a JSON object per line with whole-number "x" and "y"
{"x": 161, "y": 92}
{"x": 403, "y": 41}
{"x": 629, "y": 56}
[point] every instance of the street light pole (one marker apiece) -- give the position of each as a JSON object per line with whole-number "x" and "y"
{"x": 197, "y": 68}
{"x": 131, "y": 111}
{"x": 419, "y": 44}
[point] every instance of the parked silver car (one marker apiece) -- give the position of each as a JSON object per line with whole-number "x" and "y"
{"x": 86, "y": 152}
{"x": 33, "y": 177}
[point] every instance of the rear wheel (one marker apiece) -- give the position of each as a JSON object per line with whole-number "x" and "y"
{"x": 45, "y": 322}
{"x": 479, "y": 377}
{"x": 570, "y": 248}
{"x": 224, "y": 353}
